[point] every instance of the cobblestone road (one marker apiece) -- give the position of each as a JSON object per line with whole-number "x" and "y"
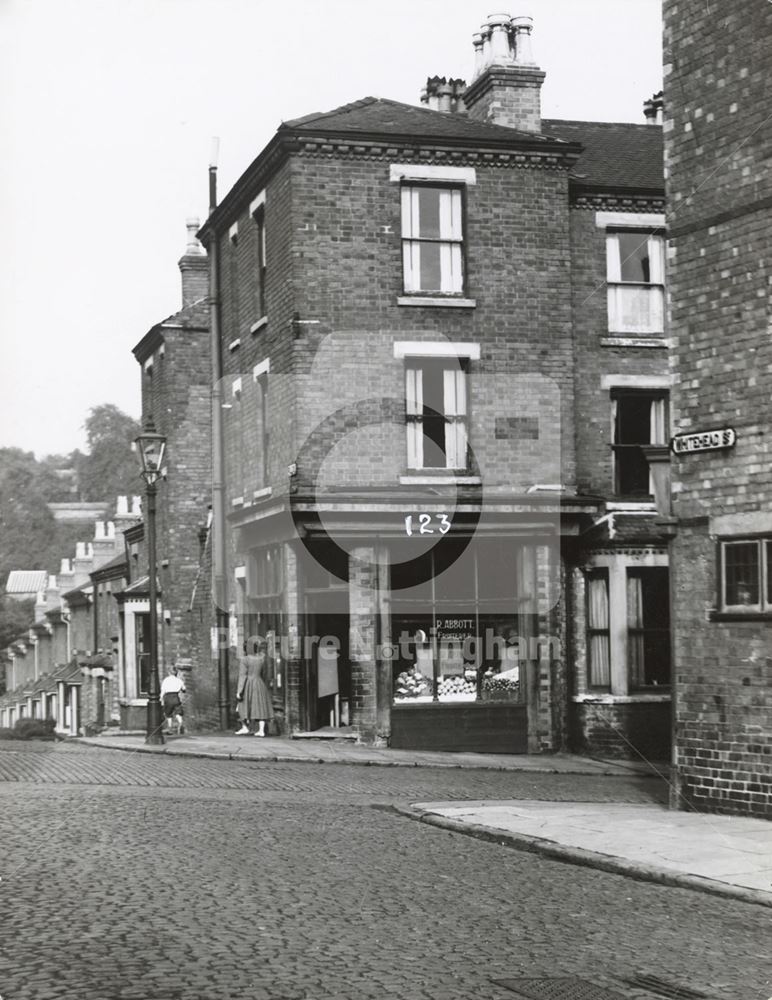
{"x": 153, "y": 878}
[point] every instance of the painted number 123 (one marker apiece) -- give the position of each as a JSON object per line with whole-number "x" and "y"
{"x": 424, "y": 524}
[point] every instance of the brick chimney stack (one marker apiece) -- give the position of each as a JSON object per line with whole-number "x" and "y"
{"x": 506, "y": 89}
{"x": 194, "y": 267}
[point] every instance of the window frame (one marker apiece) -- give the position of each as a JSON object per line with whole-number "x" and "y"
{"x": 654, "y": 394}
{"x": 445, "y": 363}
{"x": 408, "y": 184}
{"x": 614, "y": 279}
{"x": 763, "y": 606}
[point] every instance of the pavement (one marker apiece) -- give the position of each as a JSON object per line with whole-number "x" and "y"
{"x": 722, "y": 855}
{"x": 331, "y": 751}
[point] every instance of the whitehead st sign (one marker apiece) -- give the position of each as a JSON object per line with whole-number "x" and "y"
{"x": 685, "y": 444}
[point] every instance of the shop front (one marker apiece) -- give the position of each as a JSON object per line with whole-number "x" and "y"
{"x": 408, "y": 642}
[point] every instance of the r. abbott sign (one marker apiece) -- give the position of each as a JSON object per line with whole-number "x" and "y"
{"x": 683, "y": 444}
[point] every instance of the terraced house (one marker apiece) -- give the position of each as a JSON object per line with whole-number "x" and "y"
{"x": 442, "y": 355}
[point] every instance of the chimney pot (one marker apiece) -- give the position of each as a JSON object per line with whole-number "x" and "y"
{"x": 653, "y": 109}
{"x": 501, "y": 42}
{"x": 521, "y": 36}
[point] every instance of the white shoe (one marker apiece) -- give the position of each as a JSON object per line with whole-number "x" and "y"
{"x": 242, "y": 732}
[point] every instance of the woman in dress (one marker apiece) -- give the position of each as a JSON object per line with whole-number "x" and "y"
{"x": 253, "y": 697}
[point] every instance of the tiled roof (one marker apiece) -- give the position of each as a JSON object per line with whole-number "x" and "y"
{"x": 379, "y": 116}
{"x": 616, "y": 154}
{"x": 26, "y": 581}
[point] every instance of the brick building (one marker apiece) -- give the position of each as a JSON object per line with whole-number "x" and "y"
{"x": 175, "y": 358}
{"x": 718, "y": 145}
{"x": 443, "y": 351}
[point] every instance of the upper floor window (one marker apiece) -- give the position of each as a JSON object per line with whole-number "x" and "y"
{"x": 436, "y": 413}
{"x": 432, "y": 239}
{"x": 640, "y": 417}
{"x": 257, "y": 211}
{"x": 746, "y": 575}
{"x": 635, "y": 262}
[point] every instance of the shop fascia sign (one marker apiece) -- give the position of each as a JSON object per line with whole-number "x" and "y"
{"x": 715, "y": 440}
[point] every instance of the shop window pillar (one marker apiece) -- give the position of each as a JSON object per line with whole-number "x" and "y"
{"x": 363, "y": 615}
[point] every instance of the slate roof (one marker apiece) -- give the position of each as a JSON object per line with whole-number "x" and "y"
{"x": 26, "y": 581}
{"x": 616, "y": 154}
{"x": 378, "y": 115}
{"x": 196, "y": 316}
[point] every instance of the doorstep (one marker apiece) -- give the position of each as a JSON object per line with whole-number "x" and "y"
{"x": 346, "y": 733}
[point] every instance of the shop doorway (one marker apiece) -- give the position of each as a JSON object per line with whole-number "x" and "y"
{"x": 327, "y": 666}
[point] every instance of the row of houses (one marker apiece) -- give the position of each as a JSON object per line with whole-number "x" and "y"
{"x": 420, "y": 402}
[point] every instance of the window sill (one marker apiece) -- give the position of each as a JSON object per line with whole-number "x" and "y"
{"x": 740, "y": 616}
{"x": 234, "y": 345}
{"x": 593, "y": 698}
{"x": 263, "y": 321}
{"x": 442, "y": 479}
{"x": 621, "y": 339}
{"x": 436, "y": 300}
{"x": 631, "y": 506}
{"x": 266, "y": 491}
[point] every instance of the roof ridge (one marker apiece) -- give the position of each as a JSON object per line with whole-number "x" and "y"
{"x": 582, "y": 121}
{"x": 417, "y": 109}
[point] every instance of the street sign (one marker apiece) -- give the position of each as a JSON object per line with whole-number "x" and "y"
{"x": 685, "y": 444}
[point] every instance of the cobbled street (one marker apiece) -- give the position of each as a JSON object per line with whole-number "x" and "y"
{"x": 146, "y": 877}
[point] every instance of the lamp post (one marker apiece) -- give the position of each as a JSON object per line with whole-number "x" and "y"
{"x": 151, "y": 447}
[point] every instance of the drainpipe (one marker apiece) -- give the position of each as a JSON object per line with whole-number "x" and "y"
{"x": 218, "y": 462}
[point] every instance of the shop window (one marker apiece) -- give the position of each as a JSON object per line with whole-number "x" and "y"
{"x": 746, "y": 575}
{"x": 598, "y": 633}
{"x": 640, "y": 417}
{"x": 455, "y": 642}
{"x": 436, "y": 413}
{"x": 635, "y": 267}
{"x": 648, "y": 628}
{"x": 432, "y": 239}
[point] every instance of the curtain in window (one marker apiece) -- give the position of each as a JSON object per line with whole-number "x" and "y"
{"x": 414, "y": 398}
{"x": 635, "y": 639}
{"x": 600, "y": 660}
{"x": 658, "y": 428}
{"x": 454, "y": 402}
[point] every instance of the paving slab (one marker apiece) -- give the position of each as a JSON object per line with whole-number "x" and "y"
{"x": 325, "y": 750}
{"x": 725, "y": 855}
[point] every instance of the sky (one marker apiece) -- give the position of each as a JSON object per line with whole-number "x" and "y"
{"x": 107, "y": 113}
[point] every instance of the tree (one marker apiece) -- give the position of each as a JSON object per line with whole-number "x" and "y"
{"x": 16, "y": 617}
{"x": 28, "y": 533}
{"x": 110, "y": 466}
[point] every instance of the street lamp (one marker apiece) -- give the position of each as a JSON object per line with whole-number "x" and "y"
{"x": 151, "y": 447}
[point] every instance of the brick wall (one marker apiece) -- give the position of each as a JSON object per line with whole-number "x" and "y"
{"x": 593, "y": 359}
{"x": 720, "y": 195}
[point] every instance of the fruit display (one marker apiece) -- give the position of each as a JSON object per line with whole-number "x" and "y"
{"x": 455, "y": 687}
{"x": 411, "y": 684}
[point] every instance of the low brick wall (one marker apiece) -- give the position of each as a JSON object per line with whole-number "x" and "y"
{"x": 629, "y": 730}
